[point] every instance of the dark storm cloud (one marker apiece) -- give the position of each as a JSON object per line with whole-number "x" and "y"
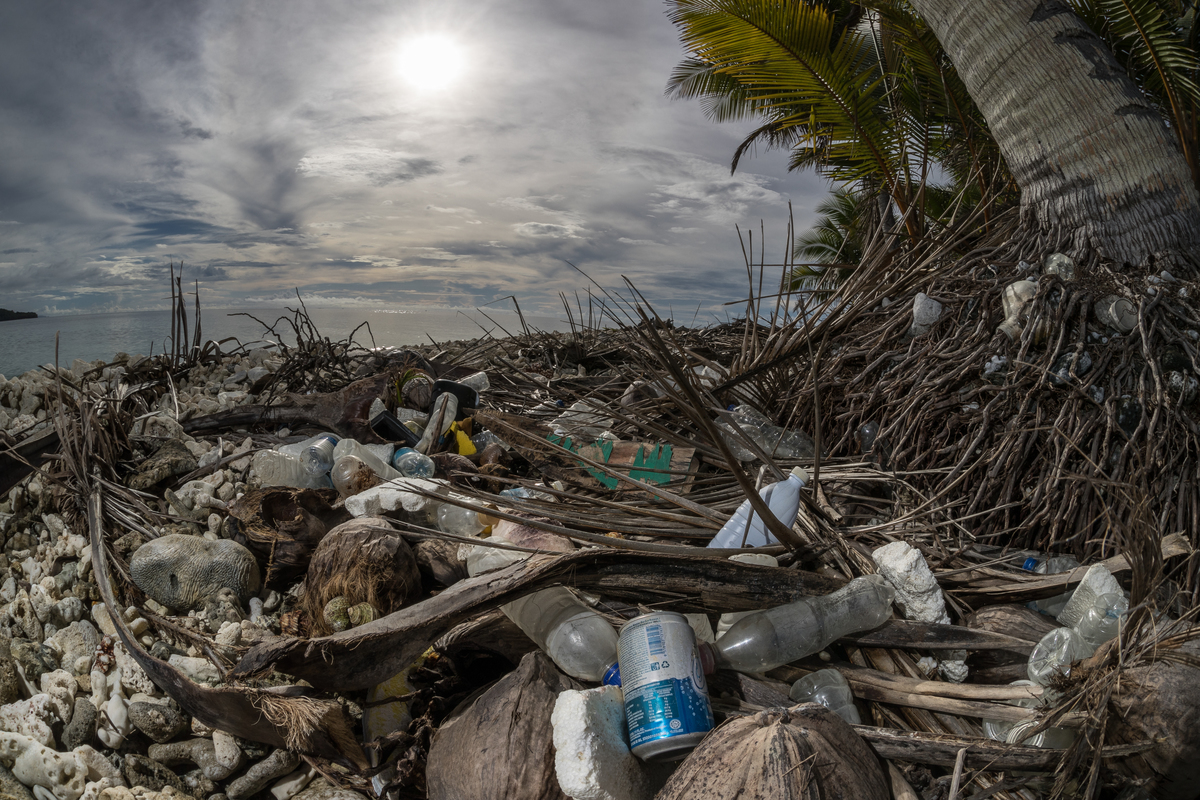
{"x": 274, "y": 143}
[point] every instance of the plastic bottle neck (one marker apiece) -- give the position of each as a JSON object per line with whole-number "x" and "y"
{"x": 708, "y": 657}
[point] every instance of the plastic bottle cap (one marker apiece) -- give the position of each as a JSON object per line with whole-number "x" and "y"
{"x": 612, "y": 675}
{"x": 1029, "y": 564}
{"x": 801, "y": 473}
{"x": 708, "y": 659}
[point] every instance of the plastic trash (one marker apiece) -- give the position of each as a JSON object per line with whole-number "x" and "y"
{"x": 762, "y": 559}
{"x": 1093, "y": 616}
{"x": 768, "y": 639}
{"x": 484, "y": 438}
{"x": 477, "y": 381}
{"x": 772, "y": 439}
{"x": 1017, "y": 732}
{"x": 1055, "y": 653}
{"x": 316, "y": 454}
{"x": 582, "y": 420}
{"x": 458, "y": 520}
{"x": 411, "y": 464}
{"x": 783, "y": 501}
{"x": 828, "y": 688}
{"x": 1052, "y": 565}
{"x": 578, "y": 639}
{"x": 441, "y": 417}
{"x": 376, "y": 456}
{"x": 275, "y": 468}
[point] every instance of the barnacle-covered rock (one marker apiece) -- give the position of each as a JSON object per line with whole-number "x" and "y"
{"x": 180, "y": 571}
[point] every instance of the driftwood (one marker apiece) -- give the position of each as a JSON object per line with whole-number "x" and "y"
{"x": 932, "y": 636}
{"x": 1019, "y": 622}
{"x": 18, "y": 459}
{"x": 364, "y": 656}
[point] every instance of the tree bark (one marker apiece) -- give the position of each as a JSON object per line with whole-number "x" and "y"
{"x": 1095, "y": 162}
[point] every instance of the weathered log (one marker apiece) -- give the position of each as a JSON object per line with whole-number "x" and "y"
{"x": 367, "y": 655}
{"x": 18, "y": 459}
{"x": 1006, "y": 665}
{"x": 932, "y": 636}
{"x": 499, "y": 744}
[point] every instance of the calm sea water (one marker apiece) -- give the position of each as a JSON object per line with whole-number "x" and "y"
{"x": 26, "y": 344}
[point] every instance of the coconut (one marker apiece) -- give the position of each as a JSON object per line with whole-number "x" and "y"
{"x": 1158, "y": 702}
{"x": 363, "y": 561}
{"x": 438, "y": 561}
{"x": 806, "y": 751}
{"x": 1006, "y": 666}
{"x": 499, "y": 744}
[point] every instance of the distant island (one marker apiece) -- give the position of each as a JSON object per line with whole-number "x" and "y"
{"x": 6, "y": 315}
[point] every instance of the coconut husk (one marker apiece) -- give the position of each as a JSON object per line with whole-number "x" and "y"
{"x": 1157, "y": 702}
{"x": 438, "y": 561}
{"x": 1005, "y": 666}
{"x": 282, "y": 527}
{"x": 364, "y": 561}
{"x": 806, "y": 751}
{"x": 499, "y": 744}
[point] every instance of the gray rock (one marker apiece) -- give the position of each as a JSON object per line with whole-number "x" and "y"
{"x": 34, "y": 660}
{"x": 11, "y": 788}
{"x": 201, "y": 752}
{"x": 10, "y": 681}
{"x": 169, "y": 461}
{"x": 182, "y": 571}
{"x": 73, "y": 642}
{"x": 158, "y": 721}
{"x": 82, "y": 728}
{"x": 198, "y": 785}
{"x": 142, "y": 771}
{"x": 276, "y": 765}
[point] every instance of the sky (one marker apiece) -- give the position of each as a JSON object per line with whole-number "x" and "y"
{"x": 283, "y": 145}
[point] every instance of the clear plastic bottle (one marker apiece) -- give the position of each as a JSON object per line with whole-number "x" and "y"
{"x": 771, "y": 438}
{"x": 829, "y": 688}
{"x": 1052, "y": 565}
{"x": 526, "y": 493}
{"x": 768, "y": 639}
{"x": 1055, "y": 653}
{"x": 273, "y": 468}
{"x": 580, "y": 641}
{"x": 997, "y": 729}
{"x": 1102, "y": 619}
{"x": 1018, "y": 732}
{"x": 316, "y": 454}
{"x": 411, "y": 464}
{"x": 783, "y": 501}
{"x": 458, "y": 520}
{"x": 484, "y": 438}
{"x": 477, "y": 381}
{"x": 583, "y": 420}
{"x": 444, "y": 409}
{"x": 351, "y": 476}
{"x": 377, "y": 457}
{"x": 761, "y": 559}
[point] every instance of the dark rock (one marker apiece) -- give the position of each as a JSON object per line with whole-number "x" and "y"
{"x": 199, "y": 785}
{"x": 169, "y": 461}
{"x": 159, "y": 722}
{"x": 141, "y": 771}
{"x": 82, "y": 727}
{"x": 10, "y": 682}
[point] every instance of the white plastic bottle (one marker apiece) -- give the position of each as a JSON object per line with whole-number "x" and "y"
{"x": 273, "y": 468}
{"x": 829, "y": 688}
{"x": 783, "y": 501}
{"x": 768, "y": 639}
{"x": 411, "y": 464}
{"x": 374, "y": 456}
{"x": 444, "y": 409}
{"x": 580, "y": 641}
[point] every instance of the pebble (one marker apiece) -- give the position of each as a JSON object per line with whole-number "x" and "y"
{"x": 158, "y": 721}
{"x": 142, "y": 771}
{"x": 276, "y": 765}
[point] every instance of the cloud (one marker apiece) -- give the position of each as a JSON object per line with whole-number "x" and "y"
{"x": 545, "y": 230}
{"x": 371, "y": 164}
{"x": 18, "y": 250}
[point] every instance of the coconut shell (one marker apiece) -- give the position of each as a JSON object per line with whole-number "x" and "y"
{"x": 282, "y": 527}
{"x": 500, "y": 744}
{"x": 365, "y": 561}
{"x": 1006, "y": 666}
{"x": 806, "y": 752}
{"x": 1160, "y": 703}
{"x": 438, "y": 561}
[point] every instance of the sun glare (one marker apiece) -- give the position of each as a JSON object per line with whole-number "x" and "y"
{"x": 431, "y": 62}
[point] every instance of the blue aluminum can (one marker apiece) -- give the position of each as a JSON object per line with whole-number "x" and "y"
{"x": 666, "y": 695}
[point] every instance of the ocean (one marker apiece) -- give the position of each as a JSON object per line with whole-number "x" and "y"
{"x": 28, "y": 343}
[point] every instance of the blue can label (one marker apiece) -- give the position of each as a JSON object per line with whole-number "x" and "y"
{"x": 662, "y": 678}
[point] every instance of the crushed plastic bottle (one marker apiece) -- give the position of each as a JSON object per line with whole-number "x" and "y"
{"x": 1018, "y": 732}
{"x": 584, "y": 420}
{"x": 580, "y": 641}
{"x": 1055, "y": 653}
{"x": 772, "y": 439}
{"x": 351, "y": 476}
{"x": 829, "y": 688}
{"x": 411, "y": 464}
{"x": 484, "y": 438}
{"x": 768, "y": 639}
{"x": 1093, "y": 616}
{"x": 376, "y": 456}
{"x": 783, "y": 501}
{"x": 316, "y": 454}
{"x": 274, "y": 468}
{"x": 458, "y": 520}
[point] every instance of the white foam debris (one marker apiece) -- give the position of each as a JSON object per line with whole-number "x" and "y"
{"x": 591, "y": 750}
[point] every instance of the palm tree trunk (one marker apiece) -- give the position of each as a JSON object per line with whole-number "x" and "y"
{"x": 1094, "y": 161}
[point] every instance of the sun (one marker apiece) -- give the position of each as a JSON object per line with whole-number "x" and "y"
{"x": 431, "y": 62}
